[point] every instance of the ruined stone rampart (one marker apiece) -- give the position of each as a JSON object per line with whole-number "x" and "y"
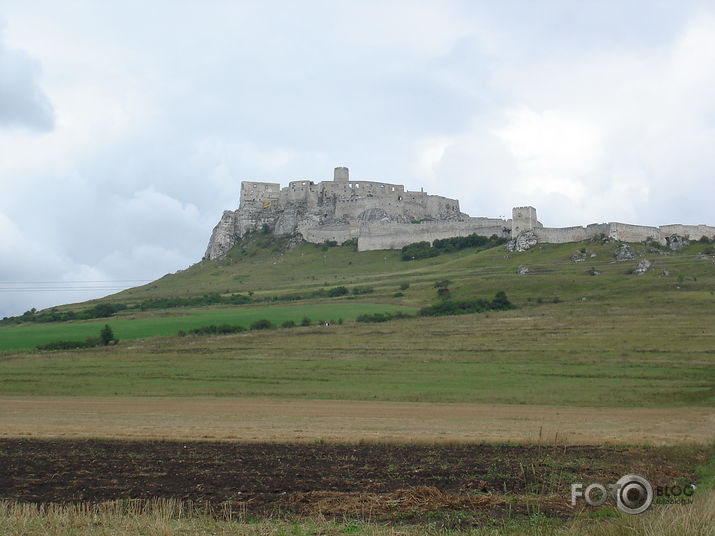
{"x": 381, "y": 215}
{"x": 397, "y": 235}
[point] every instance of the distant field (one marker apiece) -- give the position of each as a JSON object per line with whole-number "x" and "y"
{"x": 581, "y": 353}
{"x": 169, "y": 322}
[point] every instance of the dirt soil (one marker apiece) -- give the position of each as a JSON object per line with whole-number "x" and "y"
{"x": 377, "y": 479}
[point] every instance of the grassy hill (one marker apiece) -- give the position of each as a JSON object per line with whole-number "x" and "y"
{"x": 576, "y": 338}
{"x": 268, "y": 271}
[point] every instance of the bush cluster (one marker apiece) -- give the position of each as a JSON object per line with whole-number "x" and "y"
{"x": 418, "y": 250}
{"x": 338, "y": 291}
{"x": 101, "y": 310}
{"x": 462, "y": 307}
{"x": 207, "y": 299}
{"x": 362, "y": 290}
{"x": 222, "y": 329}
{"x": 424, "y": 250}
{"x": 106, "y": 337}
{"x": 263, "y": 323}
{"x": 381, "y": 317}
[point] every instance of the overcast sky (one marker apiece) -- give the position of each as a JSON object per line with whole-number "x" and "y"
{"x": 126, "y": 127}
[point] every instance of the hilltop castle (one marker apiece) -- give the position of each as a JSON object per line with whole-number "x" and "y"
{"x": 386, "y": 216}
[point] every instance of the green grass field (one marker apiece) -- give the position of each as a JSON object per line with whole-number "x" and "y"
{"x": 614, "y": 339}
{"x": 153, "y": 324}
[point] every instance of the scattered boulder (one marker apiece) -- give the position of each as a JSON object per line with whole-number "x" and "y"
{"x": 656, "y": 251}
{"x": 665, "y": 273}
{"x": 643, "y": 266}
{"x": 624, "y": 253}
{"x": 524, "y": 241}
{"x": 676, "y": 242}
{"x": 523, "y": 269}
{"x": 581, "y": 255}
{"x": 593, "y": 271}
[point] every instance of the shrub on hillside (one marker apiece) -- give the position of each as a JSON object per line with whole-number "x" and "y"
{"x": 418, "y": 250}
{"x": 191, "y": 301}
{"x": 338, "y": 291}
{"x": 457, "y": 243}
{"x": 443, "y": 293}
{"x": 288, "y": 324}
{"x": 374, "y": 317}
{"x": 263, "y": 323}
{"x": 363, "y": 290}
{"x": 328, "y": 244}
{"x": 461, "y": 307}
{"x": 423, "y": 250}
{"x": 222, "y": 329}
{"x": 106, "y": 336}
{"x": 101, "y": 310}
{"x": 352, "y": 243}
{"x": 64, "y": 345}
{"x": 381, "y": 317}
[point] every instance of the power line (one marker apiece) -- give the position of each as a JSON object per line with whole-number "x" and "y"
{"x": 107, "y": 285}
{"x": 68, "y": 289}
{"x": 71, "y": 282}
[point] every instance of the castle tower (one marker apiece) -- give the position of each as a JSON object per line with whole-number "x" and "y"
{"x": 341, "y": 174}
{"x": 523, "y": 219}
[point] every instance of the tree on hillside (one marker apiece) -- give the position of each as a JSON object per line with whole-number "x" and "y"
{"x": 107, "y": 335}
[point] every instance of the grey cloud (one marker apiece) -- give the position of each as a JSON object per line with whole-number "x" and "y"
{"x": 22, "y": 101}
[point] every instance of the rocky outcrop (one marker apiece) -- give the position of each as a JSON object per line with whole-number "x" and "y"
{"x": 643, "y": 266}
{"x": 624, "y": 253}
{"x": 676, "y": 242}
{"x": 524, "y": 241}
{"x": 223, "y": 237}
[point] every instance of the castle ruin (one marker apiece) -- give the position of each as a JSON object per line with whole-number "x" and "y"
{"x": 381, "y": 215}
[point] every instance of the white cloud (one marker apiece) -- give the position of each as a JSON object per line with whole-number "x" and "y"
{"x": 610, "y": 136}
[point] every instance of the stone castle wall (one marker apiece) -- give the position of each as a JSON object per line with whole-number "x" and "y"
{"x": 624, "y": 232}
{"x": 386, "y": 216}
{"x": 397, "y": 235}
